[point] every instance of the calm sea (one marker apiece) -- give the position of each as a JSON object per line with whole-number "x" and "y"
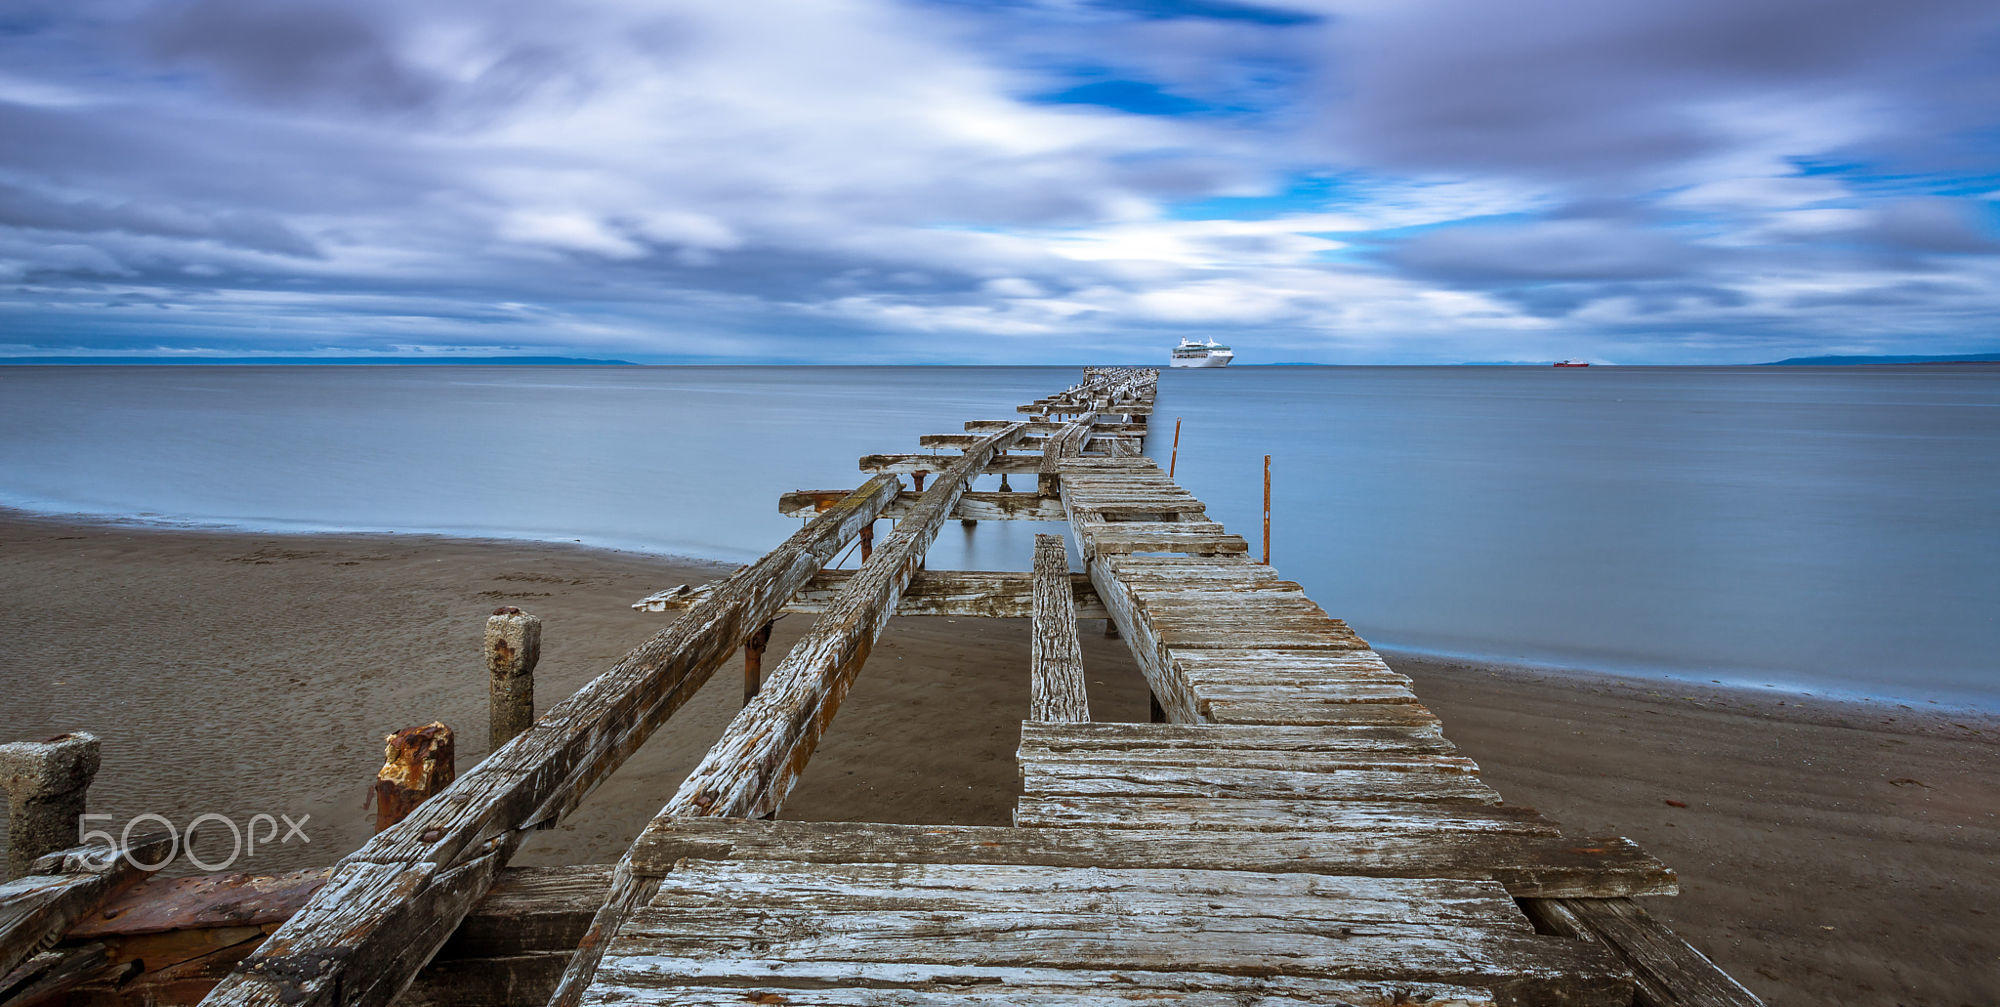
{"x": 1835, "y": 530}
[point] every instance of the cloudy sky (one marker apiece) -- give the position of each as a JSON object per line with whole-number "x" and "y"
{"x": 1056, "y": 181}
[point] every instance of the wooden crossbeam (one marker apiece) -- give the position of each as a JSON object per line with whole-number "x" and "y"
{"x": 1013, "y": 463}
{"x": 1528, "y": 865}
{"x": 988, "y": 594}
{"x": 973, "y": 506}
{"x": 390, "y": 905}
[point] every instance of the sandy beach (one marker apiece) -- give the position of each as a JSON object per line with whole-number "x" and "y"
{"x": 1829, "y": 852}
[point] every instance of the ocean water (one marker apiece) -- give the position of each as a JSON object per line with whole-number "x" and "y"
{"x": 1832, "y": 530}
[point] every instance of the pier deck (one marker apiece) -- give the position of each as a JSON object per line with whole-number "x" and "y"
{"x": 1295, "y": 828}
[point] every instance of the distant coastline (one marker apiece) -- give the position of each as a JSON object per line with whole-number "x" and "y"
{"x": 1852, "y": 360}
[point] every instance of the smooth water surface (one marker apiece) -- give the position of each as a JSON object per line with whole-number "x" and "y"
{"x": 1832, "y": 529}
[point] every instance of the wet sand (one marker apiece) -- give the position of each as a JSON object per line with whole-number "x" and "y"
{"x": 1828, "y": 853}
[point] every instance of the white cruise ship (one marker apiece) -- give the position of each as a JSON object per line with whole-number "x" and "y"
{"x": 1202, "y": 354}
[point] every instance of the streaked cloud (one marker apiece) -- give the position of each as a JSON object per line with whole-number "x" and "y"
{"x": 866, "y": 180}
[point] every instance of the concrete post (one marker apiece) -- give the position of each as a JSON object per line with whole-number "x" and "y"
{"x": 46, "y": 782}
{"x": 513, "y": 646}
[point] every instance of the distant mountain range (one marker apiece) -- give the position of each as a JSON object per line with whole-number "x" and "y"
{"x": 1836, "y": 361}
{"x": 338, "y": 361}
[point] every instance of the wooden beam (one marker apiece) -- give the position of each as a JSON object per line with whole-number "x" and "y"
{"x": 989, "y": 594}
{"x": 1013, "y": 464}
{"x": 1528, "y": 865}
{"x": 754, "y": 765}
{"x": 974, "y": 505}
{"x": 1113, "y": 444}
{"x": 1055, "y": 661}
{"x": 1670, "y": 972}
{"x": 390, "y": 905}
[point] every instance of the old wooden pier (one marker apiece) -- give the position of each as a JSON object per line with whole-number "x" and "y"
{"x": 1293, "y": 828}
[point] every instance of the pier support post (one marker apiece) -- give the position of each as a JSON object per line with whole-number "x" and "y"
{"x": 1267, "y": 510}
{"x": 416, "y": 763}
{"x": 1157, "y": 713}
{"x": 867, "y": 542}
{"x": 513, "y": 648}
{"x": 1004, "y": 488}
{"x": 918, "y": 478}
{"x": 46, "y": 782}
{"x": 753, "y": 661}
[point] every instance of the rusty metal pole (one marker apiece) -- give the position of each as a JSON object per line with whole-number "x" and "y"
{"x": 417, "y": 762}
{"x": 513, "y": 648}
{"x": 1175, "y": 458}
{"x": 1267, "y": 510}
{"x": 753, "y": 662}
{"x": 867, "y": 541}
{"x": 46, "y": 782}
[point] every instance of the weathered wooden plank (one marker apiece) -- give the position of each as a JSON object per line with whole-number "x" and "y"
{"x": 388, "y": 907}
{"x": 1044, "y": 428}
{"x": 1142, "y": 536}
{"x": 993, "y": 594}
{"x": 1338, "y": 710}
{"x": 973, "y": 506}
{"x": 1670, "y": 972}
{"x": 1057, "y": 690}
{"x": 1387, "y": 780}
{"x": 1082, "y": 989}
{"x": 1407, "y": 818}
{"x": 1103, "y": 736}
{"x": 1384, "y": 757}
{"x": 1529, "y": 866}
{"x": 847, "y": 889}
{"x": 1169, "y": 690}
{"x": 912, "y": 948}
{"x": 37, "y": 908}
{"x": 1028, "y": 443}
{"x": 1013, "y": 463}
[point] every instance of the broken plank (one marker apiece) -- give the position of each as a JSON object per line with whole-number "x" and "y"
{"x": 1670, "y": 972}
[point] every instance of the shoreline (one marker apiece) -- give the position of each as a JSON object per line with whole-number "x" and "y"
{"x": 1736, "y": 683}
{"x": 1829, "y": 851}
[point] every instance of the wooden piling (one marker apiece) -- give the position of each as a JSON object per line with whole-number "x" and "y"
{"x": 46, "y": 782}
{"x": 1267, "y": 510}
{"x": 513, "y": 647}
{"x": 918, "y": 478}
{"x": 867, "y": 544}
{"x": 416, "y": 763}
{"x": 753, "y": 656}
